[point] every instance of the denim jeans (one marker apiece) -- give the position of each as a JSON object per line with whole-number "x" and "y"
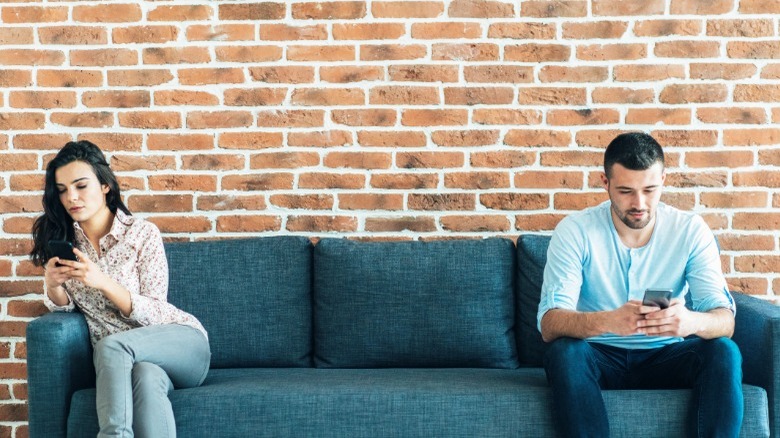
{"x": 137, "y": 369}
{"x": 578, "y": 370}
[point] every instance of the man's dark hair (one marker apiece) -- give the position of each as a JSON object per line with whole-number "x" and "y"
{"x": 634, "y": 151}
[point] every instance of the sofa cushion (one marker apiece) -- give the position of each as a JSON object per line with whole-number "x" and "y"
{"x": 253, "y": 296}
{"x": 414, "y": 304}
{"x": 531, "y": 258}
{"x": 404, "y": 403}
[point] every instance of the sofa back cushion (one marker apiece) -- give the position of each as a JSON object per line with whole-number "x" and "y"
{"x": 414, "y": 304}
{"x": 253, "y": 296}
{"x": 531, "y": 258}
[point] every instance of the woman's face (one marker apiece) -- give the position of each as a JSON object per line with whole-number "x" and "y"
{"x": 81, "y": 193}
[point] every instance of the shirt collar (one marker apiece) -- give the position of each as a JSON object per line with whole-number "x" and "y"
{"x": 119, "y": 226}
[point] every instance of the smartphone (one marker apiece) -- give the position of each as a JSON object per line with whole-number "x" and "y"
{"x": 63, "y": 250}
{"x": 657, "y": 297}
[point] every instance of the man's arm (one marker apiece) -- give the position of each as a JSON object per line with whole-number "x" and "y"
{"x": 677, "y": 320}
{"x": 623, "y": 321}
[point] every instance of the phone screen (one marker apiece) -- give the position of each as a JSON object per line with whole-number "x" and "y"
{"x": 62, "y": 249}
{"x": 657, "y": 297}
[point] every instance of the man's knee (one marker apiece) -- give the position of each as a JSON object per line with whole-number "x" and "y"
{"x": 722, "y": 352}
{"x": 567, "y": 351}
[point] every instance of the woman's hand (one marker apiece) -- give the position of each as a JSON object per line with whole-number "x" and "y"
{"x": 87, "y": 272}
{"x": 55, "y": 275}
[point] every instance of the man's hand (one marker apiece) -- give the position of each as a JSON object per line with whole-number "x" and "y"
{"x": 624, "y": 320}
{"x": 675, "y": 320}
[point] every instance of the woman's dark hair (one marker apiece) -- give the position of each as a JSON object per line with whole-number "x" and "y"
{"x": 634, "y": 151}
{"x": 56, "y": 223}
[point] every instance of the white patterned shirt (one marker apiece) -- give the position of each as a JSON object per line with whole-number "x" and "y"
{"x": 132, "y": 254}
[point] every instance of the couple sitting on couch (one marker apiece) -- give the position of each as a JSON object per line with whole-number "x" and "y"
{"x": 600, "y": 262}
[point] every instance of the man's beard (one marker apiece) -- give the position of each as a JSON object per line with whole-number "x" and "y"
{"x": 626, "y": 219}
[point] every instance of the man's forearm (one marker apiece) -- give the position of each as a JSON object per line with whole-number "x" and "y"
{"x": 716, "y": 323}
{"x": 558, "y": 323}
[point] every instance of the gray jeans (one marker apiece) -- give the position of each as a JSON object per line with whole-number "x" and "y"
{"x": 137, "y": 369}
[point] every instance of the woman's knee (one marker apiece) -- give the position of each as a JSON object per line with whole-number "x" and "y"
{"x": 148, "y": 378}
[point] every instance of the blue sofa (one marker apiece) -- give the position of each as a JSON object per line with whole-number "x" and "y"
{"x": 380, "y": 339}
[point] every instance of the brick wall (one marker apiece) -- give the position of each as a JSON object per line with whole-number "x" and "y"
{"x": 385, "y": 120}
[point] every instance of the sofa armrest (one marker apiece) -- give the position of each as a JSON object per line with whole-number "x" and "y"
{"x": 59, "y": 362}
{"x": 757, "y": 333}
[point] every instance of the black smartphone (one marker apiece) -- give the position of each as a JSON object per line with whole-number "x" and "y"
{"x": 657, "y": 297}
{"x": 62, "y": 249}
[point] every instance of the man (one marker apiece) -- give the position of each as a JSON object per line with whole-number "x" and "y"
{"x": 599, "y": 264}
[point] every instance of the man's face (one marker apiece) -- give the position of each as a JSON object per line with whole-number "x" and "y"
{"x": 634, "y": 193}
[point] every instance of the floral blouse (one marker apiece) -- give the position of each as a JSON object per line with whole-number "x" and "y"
{"x": 132, "y": 254}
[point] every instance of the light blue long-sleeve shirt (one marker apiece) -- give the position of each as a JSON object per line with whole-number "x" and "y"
{"x": 589, "y": 269}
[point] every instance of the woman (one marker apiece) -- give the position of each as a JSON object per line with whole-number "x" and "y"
{"x": 143, "y": 346}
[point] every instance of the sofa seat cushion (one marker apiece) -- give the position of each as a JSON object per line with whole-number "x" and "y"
{"x": 253, "y": 296}
{"x": 414, "y": 304}
{"x": 403, "y": 403}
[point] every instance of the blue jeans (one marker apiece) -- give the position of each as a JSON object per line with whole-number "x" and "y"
{"x": 578, "y": 370}
{"x": 137, "y": 369}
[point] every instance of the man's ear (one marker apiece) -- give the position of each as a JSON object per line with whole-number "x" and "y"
{"x": 605, "y": 181}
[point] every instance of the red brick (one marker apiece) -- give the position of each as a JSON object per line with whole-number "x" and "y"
{"x": 230, "y": 202}
{"x": 26, "y": 309}
{"x": 179, "y": 142}
{"x": 753, "y": 49}
{"x": 653, "y": 116}
{"x": 218, "y": 119}
{"x": 552, "y": 96}
{"x": 248, "y": 53}
{"x": 745, "y": 242}
{"x": 441, "y": 202}
{"x": 573, "y": 158}
{"x": 647, "y": 72}
{"x": 429, "y": 160}
{"x": 109, "y": 141}
{"x": 303, "y": 202}
{"x": 719, "y": 159}
{"x": 369, "y": 31}
{"x": 403, "y": 95}
{"x": 254, "y": 182}
{"x": 180, "y": 13}
{"x": 475, "y": 223}
{"x": 756, "y": 93}
{"x": 476, "y": 180}
{"x": 537, "y": 137}
{"x": 608, "y": 52}
{"x": 42, "y": 99}
{"x": 751, "y": 286}
{"x": 348, "y": 74}
{"x": 553, "y": 8}
{"x": 420, "y": 224}
{"x": 157, "y": 34}
{"x": 222, "y": 32}
{"x": 16, "y": 78}
{"x": 750, "y": 137}
{"x": 767, "y": 157}
{"x": 757, "y": 263}
{"x": 758, "y": 7}
{"x": 18, "y": 225}
{"x": 284, "y": 32}
{"x": 364, "y": 117}
{"x": 321, "y": 180}
{"x": 116, "y": 99}
{"x": 371, "y": 201}
{"x": 696, "y": 179}
{"x": 188, "y": 224}
{"x": 150, "y": 120}
{"x": 578, "y": 201}
{"x": 502, "y": 159}
{"x": 291, "y": 118}
{"x": 480, "y": 9}
{"x": 693, "y": 93}
{"x": 434, "y": 117}
{"x": 248, "y": 223}
{"x": 330, "y": 10}
{"x": 515, "y": 201}
{"x": 695, "y": 7}
{"x": 17, "y": 162}
{"x": 107, "y": 13}
{"x": 506, "y": 117}
{"x": 656, "y": 28}
{"x": 757, "y": 179}
{"x": 254, "y": 96}
{"x": 392, "y": 138}
{"x": 320, "y": 139}
{"x": 687, "y": 49}
{"x": 465, "y": 52}
{"x": 734, "y": 199}
{"x": 103, "y": 57}
{"x": 252, "y": 11}
{"x": 200, "y": 183}
{"x": 404, "y": 9}
{"x": 322, "y": 223}
{"x": 405, "y": 181}
{"x": 72, "y": 35}
{"x": 556, "y": 73}
{"x": 548, "y": 179}
{"x": 522, "y": 31}
{"x": 538, "y": 222}
{"x": 176, "y": 55}
{"x": 741, "y": 28}
{"x": 211, "y": 161}
{"x": 595, "y": 30}
{"x": 731, "y": 115}
{"x": 583, "y": 117}
{"x": 478, "y": 95}
{"x": 465, "y": 138}
{"x": 685, "y": 138}
{"x": 139, "y": 78}
{"x": 622, "y": 8}
{"x": 17, "y": 36}
{"x": 121, "y": 163}
{"x": 33, "y": 14}
{"x": 533, "y": 52}
{"x": 40, "y": 142}
{"x": 16, "y": 288}
{"x": 33, "y": 57}
{"x": 284, "y": 160}
{"x": 99, "y": 119}
{"x": 26, "y": 182}
{"x": 321, "y": 53}
{"x": 623, "y": 95}
{"x": 424, "y": 73}
{"x": 393, "y": 52}
{"x": 184, "y": 97}
{"x": 282, "y": 74}
{"x": 358, "y": 160}
{"x": 722, "y": 71}
{"x": 498, "y": 73}
{"x": 327, "y": 96}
